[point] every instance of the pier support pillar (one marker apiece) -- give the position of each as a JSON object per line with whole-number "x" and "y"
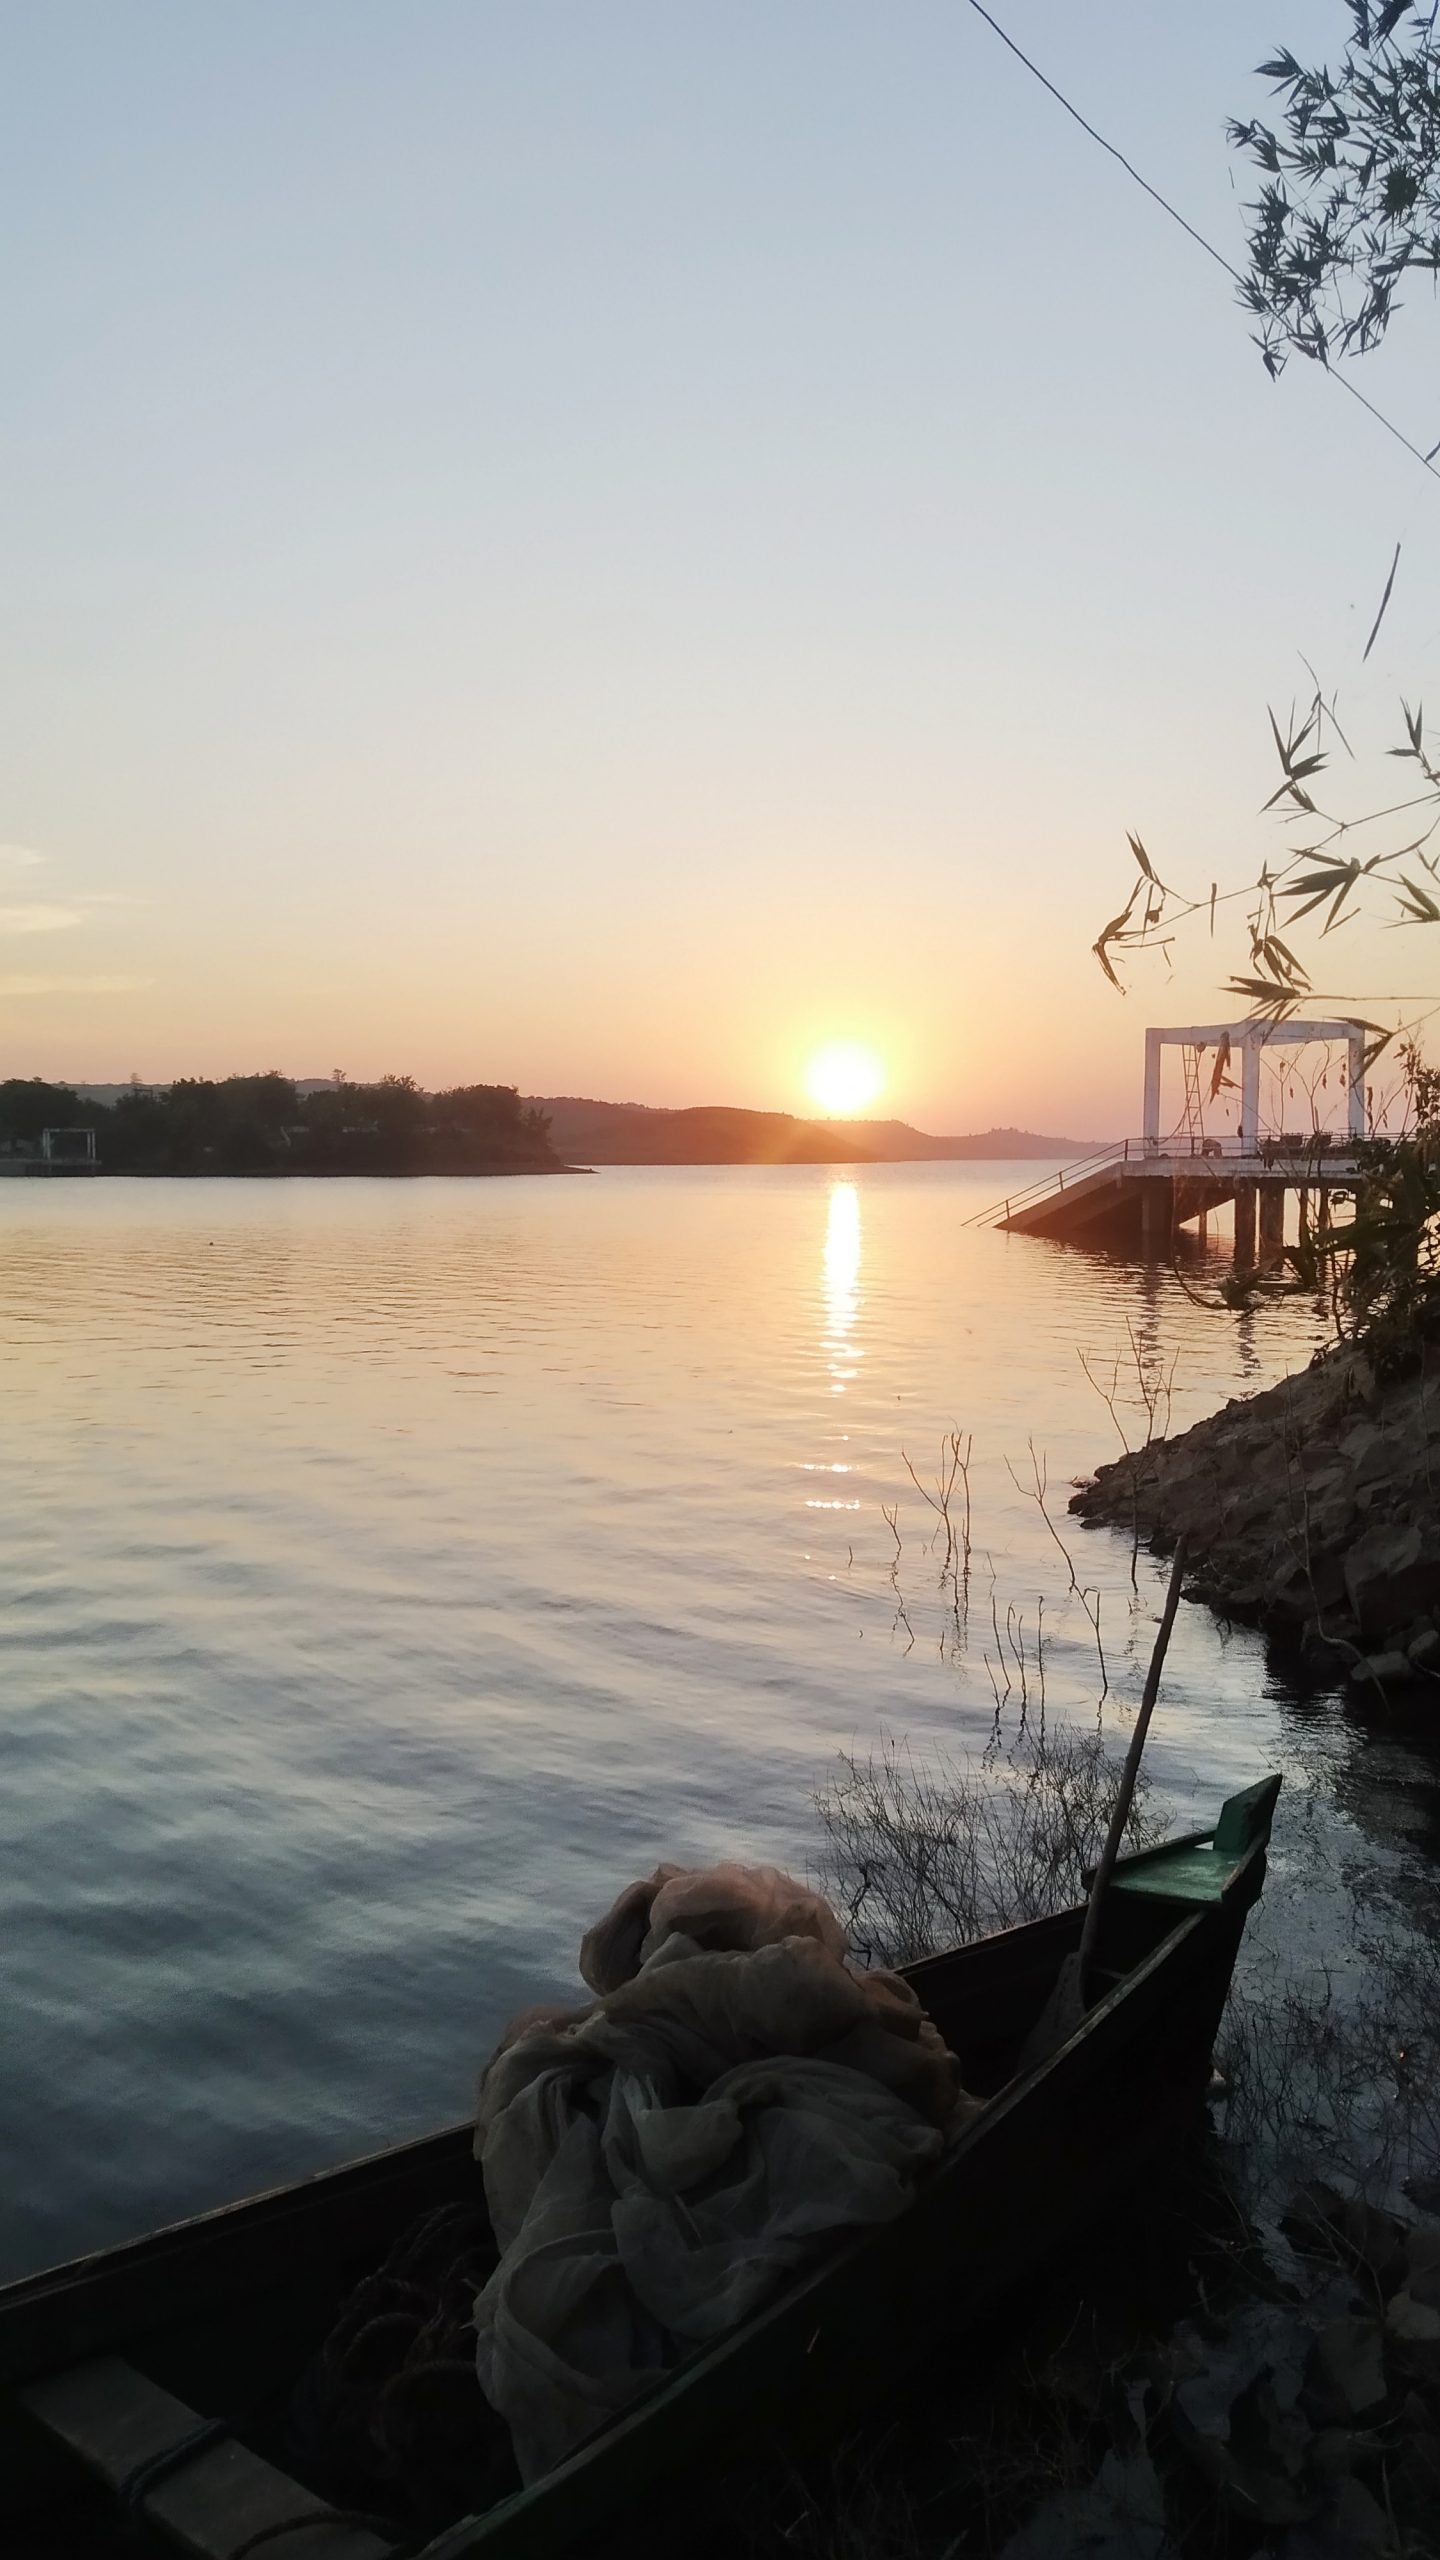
{"x": 1156, "y": 1215}
{"x": 1272, "y": 1222}
{"x": 1250, "y": 1091}
{"x": 1244, "y": 1225}
{"x": 1150, "y": 1118}
{"x": 1356, "y": 1079}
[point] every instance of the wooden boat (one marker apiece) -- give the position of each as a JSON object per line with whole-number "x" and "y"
{"x": 117, "y": 2371}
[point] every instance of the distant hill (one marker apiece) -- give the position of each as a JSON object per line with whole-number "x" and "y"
{"x": 588, "y": 1132}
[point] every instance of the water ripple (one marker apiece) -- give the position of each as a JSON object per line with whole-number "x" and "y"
{"x": 394, "y": 1568}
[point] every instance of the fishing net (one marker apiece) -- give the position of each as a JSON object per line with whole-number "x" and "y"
{"x": 389, "y": 2414}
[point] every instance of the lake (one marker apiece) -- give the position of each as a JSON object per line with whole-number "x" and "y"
{"x": 394, "y": 1569}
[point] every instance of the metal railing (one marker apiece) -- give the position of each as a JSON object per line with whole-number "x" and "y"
{"x": 1279, "y": 1146}
{"x": 1294, "y": 1150}
{"x": 1056, "y": 1182}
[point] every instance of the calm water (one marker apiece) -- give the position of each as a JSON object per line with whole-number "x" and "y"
{"x": 391, "y": 1570}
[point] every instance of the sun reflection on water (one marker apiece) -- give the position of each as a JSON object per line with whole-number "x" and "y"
{"x": 841, "y": 1285}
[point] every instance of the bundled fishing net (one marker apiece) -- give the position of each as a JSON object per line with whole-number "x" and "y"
{"x": 735, "y": 2101}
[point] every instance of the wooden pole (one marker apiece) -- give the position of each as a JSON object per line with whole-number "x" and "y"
{"x": 1131, "y": 1771}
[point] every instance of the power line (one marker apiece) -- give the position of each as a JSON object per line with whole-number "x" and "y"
{"x": 1387, "y": 423}
{"x": 1176, "y": 216}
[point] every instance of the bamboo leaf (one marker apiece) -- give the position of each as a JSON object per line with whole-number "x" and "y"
{"x": 1300, "y": 913}
{"x": 1330, "y": 875}
{"x": 1384, "y": 601}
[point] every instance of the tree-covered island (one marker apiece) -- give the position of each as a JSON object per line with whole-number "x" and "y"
{"x": 267, "y": 1124}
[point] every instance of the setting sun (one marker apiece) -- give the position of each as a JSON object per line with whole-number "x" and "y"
{"x": 844, "y": 1079}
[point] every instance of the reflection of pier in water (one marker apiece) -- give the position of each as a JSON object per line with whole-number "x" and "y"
{"x": 1143, "y": 1190}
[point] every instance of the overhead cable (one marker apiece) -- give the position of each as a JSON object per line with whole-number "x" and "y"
{"x": 1425, "y": 460}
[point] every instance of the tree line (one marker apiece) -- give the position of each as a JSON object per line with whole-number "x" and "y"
{"x": 264, "y": 1124}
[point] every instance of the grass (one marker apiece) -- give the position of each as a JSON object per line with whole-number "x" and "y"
{"x": 924, "y": 1854}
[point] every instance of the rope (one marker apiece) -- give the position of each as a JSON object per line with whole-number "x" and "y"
{"x": 389, "y": 2413}
{"x": 146, "y": 2476}
{"x": 137, "y": 2484}
{"x": 387, "y": 2422}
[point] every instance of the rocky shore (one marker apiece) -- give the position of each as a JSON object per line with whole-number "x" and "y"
{"x": 1311, "y": 1511}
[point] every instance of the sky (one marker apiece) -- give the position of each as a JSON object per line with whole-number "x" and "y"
{"x": 605, "y": 549}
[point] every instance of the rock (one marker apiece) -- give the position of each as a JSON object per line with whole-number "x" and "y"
{"x": 1345, "y": 2376}
{"x": 1332, "y": 1642}
{"x": 1312, "y": 1500}
{"x": 1120, "y": 2516}
{"x": 1335, "y": 2451}
{"x": 1390, "y": 1576}
{"x": 1254, "y": 2484}
{"x": 1361, "y": 2523}
{"x": 1358, "y": 1442}
{"x": 1422, "y": 2266}
{"x": 1418, "y": 2323}
{"x": 1415, "y": 2479}
{"x": 1268, "y": 2446}
{"x": 1376, "y": 2241}
{"x": 1355, "y": 2235}
{"x": 1412, "y": 2331}
{"x": 1381, "y": 1670}
{"x": 1298, "y": 1587}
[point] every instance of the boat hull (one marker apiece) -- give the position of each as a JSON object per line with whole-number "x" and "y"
{"x": 200, "y": 2309}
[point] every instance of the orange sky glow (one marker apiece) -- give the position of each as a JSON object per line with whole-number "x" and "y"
{"x": 561, "y": 568}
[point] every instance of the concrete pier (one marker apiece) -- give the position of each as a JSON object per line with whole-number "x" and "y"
{"x": 1144, "y": 1191}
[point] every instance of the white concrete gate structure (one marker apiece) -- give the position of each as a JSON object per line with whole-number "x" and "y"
{"x": 1250, "y": 1040}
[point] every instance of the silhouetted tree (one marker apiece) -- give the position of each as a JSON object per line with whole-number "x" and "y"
{"x": 1352, "y": 200}
{"x": 262, "y": 1124}
{"x": 28, "y": 1105}
{"x": 1352, "y": 205}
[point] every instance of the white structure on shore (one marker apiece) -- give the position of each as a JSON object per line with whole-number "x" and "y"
{"x": 1251, "y": 1041}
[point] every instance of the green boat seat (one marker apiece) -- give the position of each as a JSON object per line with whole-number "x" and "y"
{"x": 1198, "y": 1867}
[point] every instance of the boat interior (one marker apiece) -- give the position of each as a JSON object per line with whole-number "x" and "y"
{"x": 161, "y": 2391}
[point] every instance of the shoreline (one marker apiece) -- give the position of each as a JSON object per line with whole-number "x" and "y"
{"x": 290, "y": 1173}
{"x": 1310, "y": 1513}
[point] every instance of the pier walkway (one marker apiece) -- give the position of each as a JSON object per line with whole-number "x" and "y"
{"x": 1130, "y": 1194}
{"x": 1141, "y": 1190}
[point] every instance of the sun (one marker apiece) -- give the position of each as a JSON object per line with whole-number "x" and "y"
{"x": 844, "y": 1079}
